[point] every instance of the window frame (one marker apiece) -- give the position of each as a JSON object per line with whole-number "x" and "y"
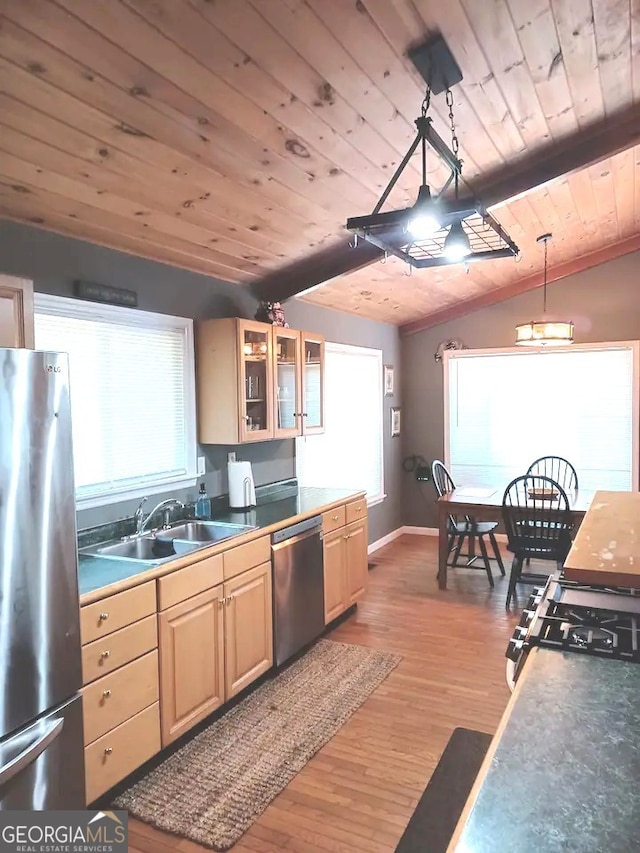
{"x": 64, "y": 306}
{"x": 373, "y": 353}
{"x": 634, "y": 346}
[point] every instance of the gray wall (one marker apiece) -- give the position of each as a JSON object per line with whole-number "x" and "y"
{"x": 603, "y": 305}
{"x": 54, "y": 262}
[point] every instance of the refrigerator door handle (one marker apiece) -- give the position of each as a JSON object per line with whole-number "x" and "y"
{"x": 29, "y": 755}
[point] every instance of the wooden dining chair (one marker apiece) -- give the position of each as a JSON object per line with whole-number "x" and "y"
{"x": 464, "y": 527}
{"x": 537, "y": 520}
{"x": 558, "y": 469}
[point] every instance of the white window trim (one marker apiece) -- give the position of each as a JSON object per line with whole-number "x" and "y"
{"x": 449, "y": 355}
{"x": 68, "y": 307}
{"x": 349, "y": 349}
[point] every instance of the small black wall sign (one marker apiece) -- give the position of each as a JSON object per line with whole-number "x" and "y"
{"x": 105, "y": 293}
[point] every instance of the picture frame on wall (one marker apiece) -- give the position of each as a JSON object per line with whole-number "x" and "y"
{"x": 388, "y": 380}
{"x": 395, "y": 422}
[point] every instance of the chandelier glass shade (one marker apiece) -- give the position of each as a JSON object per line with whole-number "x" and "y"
{"x": 544, "y": 333}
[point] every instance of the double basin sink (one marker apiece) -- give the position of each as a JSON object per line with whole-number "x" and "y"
{"x": 168, "y": 543}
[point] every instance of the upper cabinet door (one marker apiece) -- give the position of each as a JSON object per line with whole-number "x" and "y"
{"x": 312, "y": 383}
{"x": 256, "y": 381}
{"x": 16, "y": 312}
{"x": 287, "y": 382}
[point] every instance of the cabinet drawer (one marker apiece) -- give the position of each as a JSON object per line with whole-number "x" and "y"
{"x": 356, "y": 510}
{"x": 114, "y": 698}
{"x": 115, "y": 611}
{"x": 121, "y": 751}
{"x": 333, "y": 519}
{"x": 108, "y": 653}
{"x": 247, "y": 556}
{"x": 190, "y": 581}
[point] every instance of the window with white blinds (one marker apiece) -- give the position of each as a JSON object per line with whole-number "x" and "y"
{"x": 503, "y": 409}
{"x": 132, "y": 392}
{"x": 349, "y": 454}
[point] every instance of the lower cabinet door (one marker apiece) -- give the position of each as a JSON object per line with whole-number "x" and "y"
{"x": 248, "y": 628}
{"x": 191, "y": 662}
{"x": 357, "y": 563}
{"x": 334, "y": 574}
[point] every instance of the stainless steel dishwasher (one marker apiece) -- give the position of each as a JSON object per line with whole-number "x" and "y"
{"x": 298, "y": 587}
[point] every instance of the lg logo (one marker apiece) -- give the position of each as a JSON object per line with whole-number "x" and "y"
{"x": 53, "y": 368}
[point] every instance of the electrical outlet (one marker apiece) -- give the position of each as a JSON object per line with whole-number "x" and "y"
{"x": 231, "y": 456}
{"x": 201, "y": 465}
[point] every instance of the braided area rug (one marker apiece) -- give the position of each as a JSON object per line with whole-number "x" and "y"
{"x": 212, "y": 789}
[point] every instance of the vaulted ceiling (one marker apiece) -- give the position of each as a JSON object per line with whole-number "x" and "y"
{"x": 235, "y": 137}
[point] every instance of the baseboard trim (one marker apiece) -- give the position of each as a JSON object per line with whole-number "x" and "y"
{"x": 420, "y": 531}
{"x": 385, "y": 540}
{"x": 411, "y": 530}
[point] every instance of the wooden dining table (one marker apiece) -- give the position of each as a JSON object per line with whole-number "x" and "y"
{"x": 485, "y": 504}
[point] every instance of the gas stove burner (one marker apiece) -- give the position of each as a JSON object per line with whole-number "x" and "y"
{"x": 592, "y": 635}
{"x": 586, "y": 616}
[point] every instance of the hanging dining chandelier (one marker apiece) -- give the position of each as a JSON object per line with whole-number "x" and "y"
{"x": 436, "y": 230}
{"x": 545, "y": 332}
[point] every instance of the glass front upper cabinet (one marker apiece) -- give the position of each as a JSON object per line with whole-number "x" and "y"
{"x": 256, "y": 382}
{"x": 312, "y": 383}
{"x": 287, "y": 382}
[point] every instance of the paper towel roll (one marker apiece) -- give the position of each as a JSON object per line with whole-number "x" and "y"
{"x": 242, "y": 490}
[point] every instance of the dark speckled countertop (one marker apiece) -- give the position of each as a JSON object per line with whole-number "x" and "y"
{"x": 94, "y": 573}
{"x": 566, "y": 773}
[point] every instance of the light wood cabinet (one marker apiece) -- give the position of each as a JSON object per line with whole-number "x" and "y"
{"x": 16, "y": 312}
{"x": 213, "y": 645}
{"x": 345, "y": 562}
{"x": 356, "y": 561}
{"x": 334, "y": 575}
{"x": 298, "y": 364}
{"x": 257, "y": 381}
{"x": 109, "y": 701}
{"x": 121, "y": 751}
{"x": 191, "y": 662}
{"x": 248, "y": 628}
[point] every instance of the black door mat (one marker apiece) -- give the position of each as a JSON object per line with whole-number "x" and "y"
{"x": 434, "y": 820}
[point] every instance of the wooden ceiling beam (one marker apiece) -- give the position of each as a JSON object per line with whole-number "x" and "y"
{"x": 603, "y": 140}
{"x": 484, "y": 300}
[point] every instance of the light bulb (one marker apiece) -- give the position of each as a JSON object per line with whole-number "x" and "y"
{"x": 456, "y": 244}
{"x": 423, "y": 225}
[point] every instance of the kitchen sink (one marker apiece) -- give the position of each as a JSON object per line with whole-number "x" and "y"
{"x": 202, "y": 532}
{"x": 165, "y": 545}
{"x": 145, "y": 549}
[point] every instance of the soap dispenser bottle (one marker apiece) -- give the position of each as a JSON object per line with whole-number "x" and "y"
{"x": 203, "y": 504}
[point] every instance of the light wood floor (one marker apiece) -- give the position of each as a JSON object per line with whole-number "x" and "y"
{"x": 358, "y": 792}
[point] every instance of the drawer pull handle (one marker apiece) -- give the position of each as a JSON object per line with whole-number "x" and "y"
{"x": 104, "y": 617}
{"x": 108, "y": 750}
{"x": 335, "y": 517}
{"x": 359, "y": 509}
{"x": 106, "y": 693}
{"x": 104, "y": 655}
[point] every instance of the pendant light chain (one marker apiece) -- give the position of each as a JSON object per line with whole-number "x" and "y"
{"x": 455, "y": 144}
{"x": 426, "y": 103}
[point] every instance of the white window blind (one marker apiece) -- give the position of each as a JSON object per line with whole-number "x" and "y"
{"x": 504, "y": 409}
{"x": 349, "y": 454}
{"x": 132, "y": 395}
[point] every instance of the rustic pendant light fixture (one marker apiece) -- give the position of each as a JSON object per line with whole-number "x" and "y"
{"x": 435, "y": 230}
{"x": 544, "y": 333}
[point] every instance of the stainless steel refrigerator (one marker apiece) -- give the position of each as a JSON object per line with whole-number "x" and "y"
{"x": 41, "y": 738}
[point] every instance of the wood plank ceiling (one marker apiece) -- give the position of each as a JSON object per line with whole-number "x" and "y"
{"x": 234, "y": 137}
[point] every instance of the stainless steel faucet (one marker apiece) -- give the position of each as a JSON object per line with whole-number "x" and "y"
{"x": 142, "y": 522}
